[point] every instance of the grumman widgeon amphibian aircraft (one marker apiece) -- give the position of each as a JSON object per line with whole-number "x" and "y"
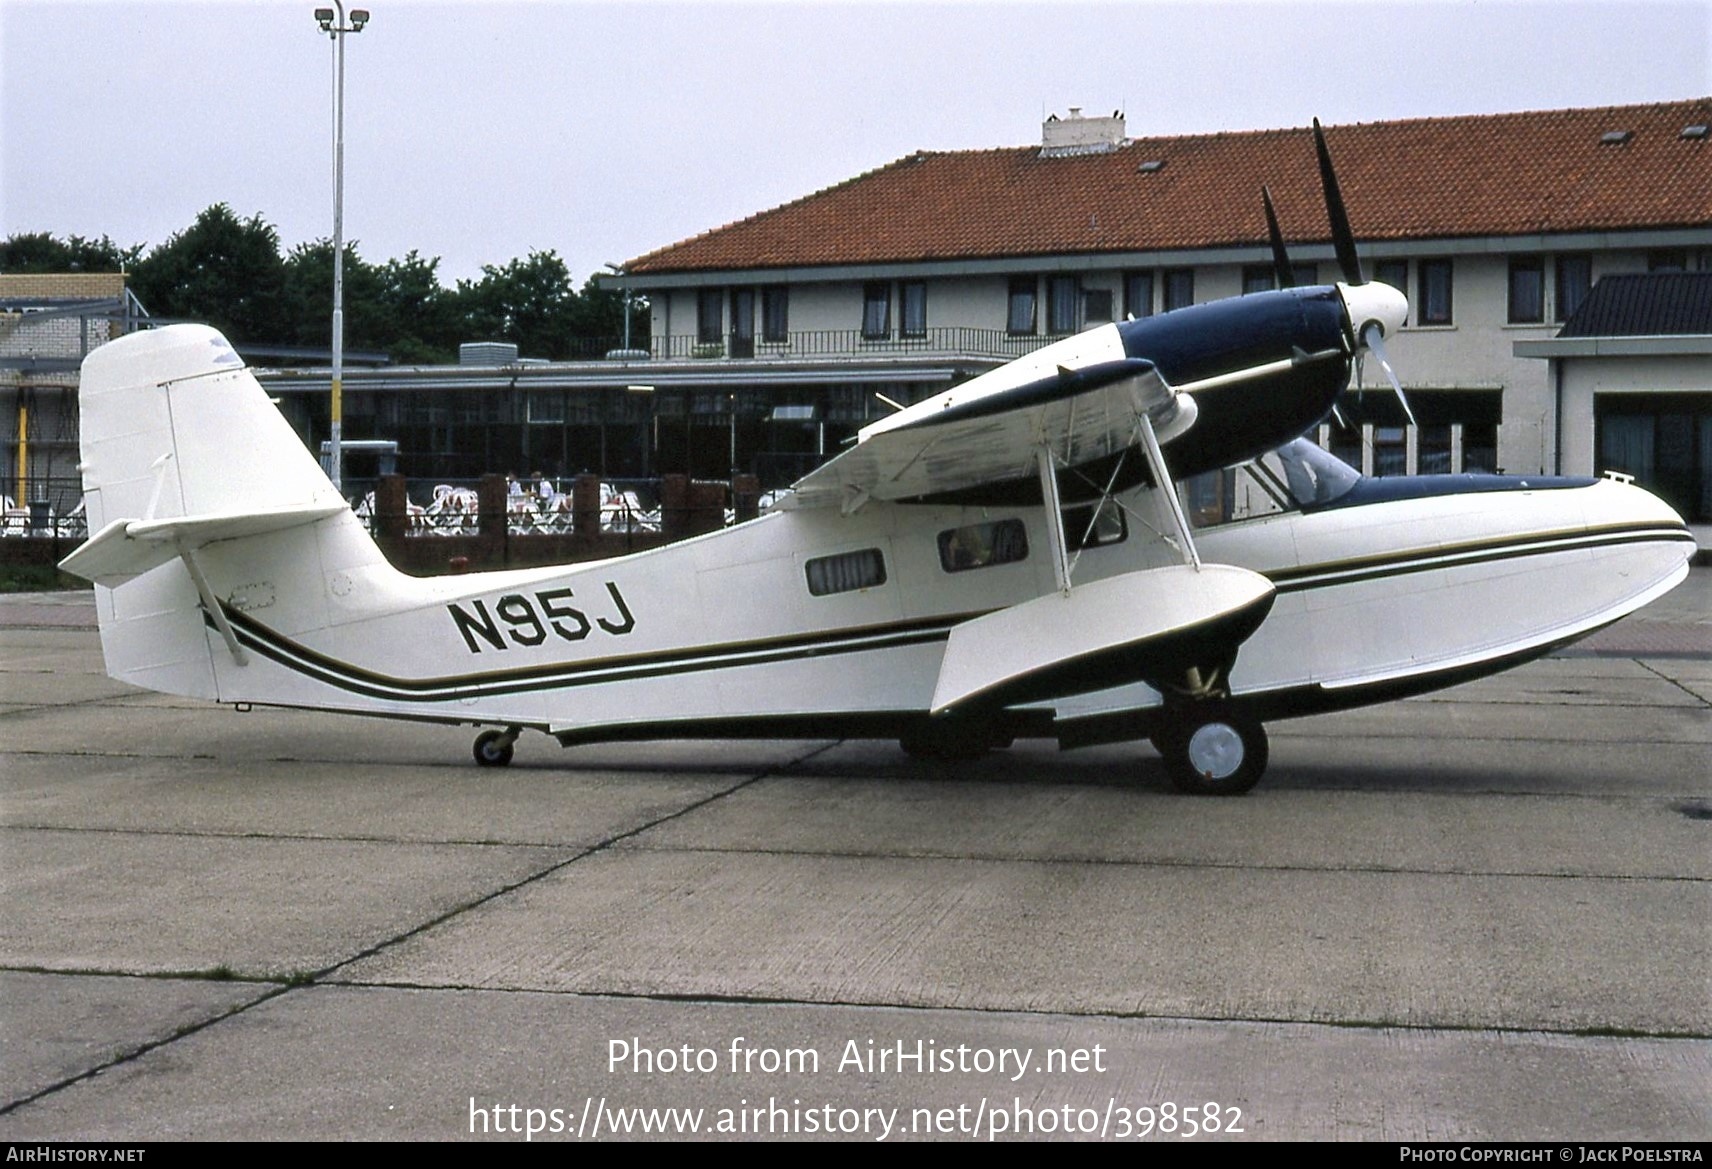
{"x": 1007, "y": 559}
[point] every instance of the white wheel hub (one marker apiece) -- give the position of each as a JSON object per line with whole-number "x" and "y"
{"x": 1216, "y": 750}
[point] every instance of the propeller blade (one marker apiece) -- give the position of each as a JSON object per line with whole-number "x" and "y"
{"x": 1374, "y": 338}
{"x": 1280, "y": 259}
{"x": 1343, "y": 239}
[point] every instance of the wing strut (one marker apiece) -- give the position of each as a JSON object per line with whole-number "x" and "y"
{"x": 1162, "y": 480}
{"x": 211, "y": 603}
{"x": 1054, "y": 517}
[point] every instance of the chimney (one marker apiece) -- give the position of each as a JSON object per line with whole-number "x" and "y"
{"x": 1075, "y": 134}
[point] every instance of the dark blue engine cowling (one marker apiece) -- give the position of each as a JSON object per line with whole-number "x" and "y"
{"x": 1247, "y": 418}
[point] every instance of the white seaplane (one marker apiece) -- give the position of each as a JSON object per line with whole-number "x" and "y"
{"x": 1007, "y": 559}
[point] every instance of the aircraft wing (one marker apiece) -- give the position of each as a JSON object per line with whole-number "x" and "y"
{"x": 990, "y": 428}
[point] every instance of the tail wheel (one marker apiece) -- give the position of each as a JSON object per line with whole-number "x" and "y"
{"x": 494, "y": 748}
{"x": 1213, "y": 752}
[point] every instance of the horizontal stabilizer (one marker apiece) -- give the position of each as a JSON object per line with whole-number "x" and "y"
{"x": 128, "y": 548}
{"x": 1141, "y": 626}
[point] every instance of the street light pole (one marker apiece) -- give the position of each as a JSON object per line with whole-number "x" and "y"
{"x": 333, "y": 24}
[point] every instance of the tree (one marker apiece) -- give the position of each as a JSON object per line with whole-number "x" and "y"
{"x": 41, "y": 252}
{"x": 530, "y": 302}
{"x": 223, "y": 270}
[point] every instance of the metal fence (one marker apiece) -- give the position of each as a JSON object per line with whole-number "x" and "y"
{"x": 43, "y": 508}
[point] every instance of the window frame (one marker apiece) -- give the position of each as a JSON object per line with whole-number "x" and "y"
{"x": 1425, "y": 271}
{"x": 710, "y": 316}
{"x": 1178, "y": 288}
{"x": 1134, "y": 282}
{"x": 1526, "y": 271}
{"x": 876, "y": 294}
{"x": 776, "y": 314}
{"x": 1022, "y": 290}
{"x": 1063, "y": 304}
{"x": 912, "y": 318}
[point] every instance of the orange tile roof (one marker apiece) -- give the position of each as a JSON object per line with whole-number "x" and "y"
{"x": 1428, "y": 178}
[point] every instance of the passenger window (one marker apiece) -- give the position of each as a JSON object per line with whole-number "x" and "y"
{"x": 1084, "y": 527}
{"x": 846, "y": 572}
{"x": 983, "y": 545}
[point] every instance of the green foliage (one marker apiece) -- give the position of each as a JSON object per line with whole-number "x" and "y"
{"x": 221, "y": 269}
{"x": 41, "y": 252}
{"x": 229, "y": 272}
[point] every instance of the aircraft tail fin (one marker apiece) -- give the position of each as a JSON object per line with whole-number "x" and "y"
{"x": 199, "y": 495}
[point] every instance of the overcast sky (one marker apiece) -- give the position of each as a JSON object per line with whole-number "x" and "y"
{"x": 481, "y": 131}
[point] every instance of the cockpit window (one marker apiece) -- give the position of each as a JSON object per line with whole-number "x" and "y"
{"x": 1298, "y": 475}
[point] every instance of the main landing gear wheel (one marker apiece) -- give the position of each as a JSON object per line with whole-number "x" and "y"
{"x": 494, "y": 748}
{"x": 1213, "y": 752}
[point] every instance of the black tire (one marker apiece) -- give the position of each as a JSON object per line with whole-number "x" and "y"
{"x": 492, "y": 749}
{"x": 1213, "y": 752}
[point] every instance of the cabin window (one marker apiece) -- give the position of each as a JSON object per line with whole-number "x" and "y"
{"x": 1435, "y": 298}
{"x": 1138, "y": 295}
{"x": 1179, "y": 288}
{"x": 1019, "y": 316}
{"x": 846, "y": 572}
{"x": 1527, "y": 291}
{"x": 876, "y": 311}
{"x": 983, "y": 545}
{"x": 913, "y": 309}
{"x": 1088, "y": 527}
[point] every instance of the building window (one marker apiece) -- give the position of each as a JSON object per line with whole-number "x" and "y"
{"x": 1179, "y": 288}
{"x": 913, "y": 297}
{"x": 1062, "y": 293}
{"x": 1435, "y": 293}
{"x": 1264, "y": 277}
{"x": 776, "y": 314}
{"x": 710, "y": 315}
{"x": 1019, "y": 317}
{"x": 1396, "y": 274}
{"x": 1668, "y": 260}
{"x": 1574, "y": 282}
{"x": 876, "y": 311}
{"x": 1390, "y": 450}
{"x": 846, "y": 572}
{"x": 1433, "y": 449}
{"x": 1097, "y": 306}
{"x": 1527, "y": 291}
{"x": 1138, "y": 295}
{"x": 983, "y": 545}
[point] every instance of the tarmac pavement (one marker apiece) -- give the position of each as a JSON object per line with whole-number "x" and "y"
{"x": 1478, "y": 915}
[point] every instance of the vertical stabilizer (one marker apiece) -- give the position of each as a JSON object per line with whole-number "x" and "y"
{"x": 193, "y": 483}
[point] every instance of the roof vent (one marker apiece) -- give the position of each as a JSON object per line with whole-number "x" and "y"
{"x": 1615, "y": 137}
{"x": 1152, "y": 166}
{"x": 1074, "y": 134}
{"x": 1695, "y": 131}
{"x": 487, "y": 353}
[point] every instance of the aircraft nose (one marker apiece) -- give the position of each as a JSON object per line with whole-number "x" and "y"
{"x": 1374, "y": 303}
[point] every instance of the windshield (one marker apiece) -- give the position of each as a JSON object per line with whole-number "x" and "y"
{"x": 1309, "y": 473}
